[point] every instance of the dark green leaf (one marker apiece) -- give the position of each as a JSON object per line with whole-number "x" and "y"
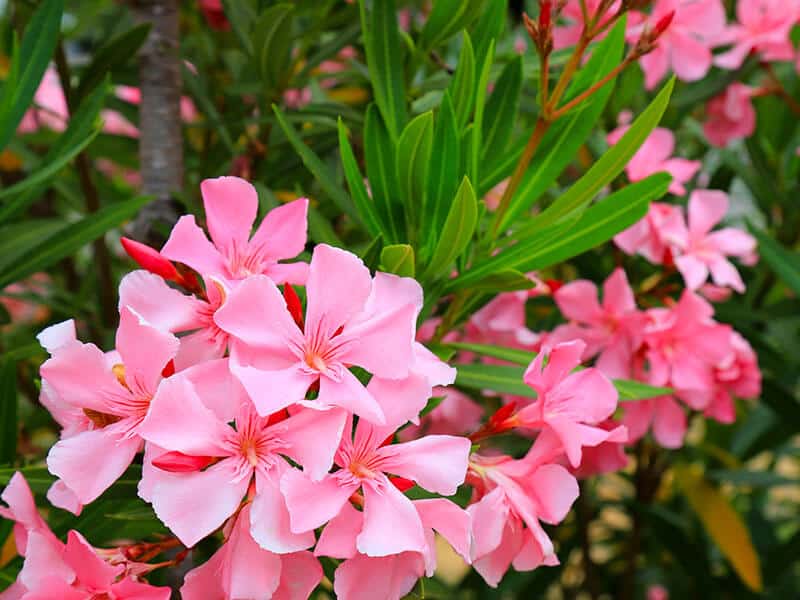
{"x": 412, "y": 162}
{"x": 501, "y": 110}
{"x": 241, "y": 15}
{"x": 272, "y": 44}
{"x": 8, "y": 411}
{"x": 358, "y": 191}
{"x": 383, "y": 47}
{"x": 380, "y": 152}
{"x": 446, "y": 18}
{"x": 29, "y": 63}
{"x": 784, "y": 262}
{"x": 488, "y": 28}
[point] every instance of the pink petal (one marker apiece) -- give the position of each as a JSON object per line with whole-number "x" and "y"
{"x": 269, "y": 520}
{"x": 44, "y": 557}
{"x": 204, "y": 582}
{"x": 91, "y": 570}
{"x": 22, "y": 509}
{"x": 401, "y": 400}
{"x": 300, "y": 574}
{"x": 163, "y": 307}
{"x": 200, "y": 346}
{"x": 577, "y": 301}
{"x": 282, "y": 233}
{"x": 693, "y": 270}
{"x": 145, "y": 350}
{"x": 350, "y": 394}
{"x": 231, "y": 204}
{"x": 451, "y": 521}
{"x": 54, "y": 337}
{"x": 563, "y": 358}
{"x": 587, "y": 396}
{"x": 395, "y": 576}
{"x": 188, "y": 244}
{"x": 273, "y": 390}
{"x": 60, "y": 496}
{"x": 255, "y": 313}
{"x": 313, "y": 437}
{"x": 200, "y": 433}
{"x": 706, "y": 209}
{"x": 311, "y": 504}
{"x": 193, "y": 505}
{"x": 249, "y": 571}
{"x": 733, "y": 242}
{"x": 493, "y": 565}
{"x": 337, "y": 289}
{"x": 655, "y": 65}
{"x": 91, "y": 461}
{"x": 338, "y": 539}
{"x": 690, "y": 59}
{"x": 295, "y": 273}
{"x": 556, "y": 489}
{"x": 437, "y": 463}
{"x": 219, "y": 390}
{"x": 129, "y": 589}
{"x": 617, "y": 293}
{"x": 489, "y": 516}
{"x": 391, "y": 523}
{"x": 725, "y": 274}
{"x": 669, "y": 423}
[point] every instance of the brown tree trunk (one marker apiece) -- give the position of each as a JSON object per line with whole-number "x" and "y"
{"x": 161, "y": 140}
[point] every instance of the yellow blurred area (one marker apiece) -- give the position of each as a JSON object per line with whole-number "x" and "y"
{"x": 8, "y": 551}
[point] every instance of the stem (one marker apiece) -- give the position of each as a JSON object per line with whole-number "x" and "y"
{"x": 105, "y": 278}
{"x": 566, "y": 74}
{"x": 586, "y": 94}
{"x": 161, "y": 138}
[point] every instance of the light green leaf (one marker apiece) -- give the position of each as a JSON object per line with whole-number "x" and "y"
{"x": 384, "y": 60}
{"x": 457, "y": 231}
{"x": 477, "y": 129}
{"x": 512, "y": 355}
{"x": 630, "y": 390}
{"x": 398, "y": 259}
{"x": 412, "y": 161}
{"x": 488, "y": 28}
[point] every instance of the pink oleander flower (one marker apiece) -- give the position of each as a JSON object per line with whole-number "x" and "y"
{"x": 700, "y": 251}
{"x": 606, "y": 457}
{"x": 114, "y": 391}
{"x": 345, "y": 324}
{"x": 513, "y": 497}
{"x": 50, "y": 106}
{"x": 731, "y": 115}
{"x": 295, "y": 98}
{"x": 764, "y": 27}
{"x": 23, "y": 310}
{"x": 391, "y": 525}
{"x": 502, "y": 322}
{"x": 657, "y": 592}
{"x": 569, "y": 34}
{"x": 231, "y": 205}
{"x": 612, "y": 329}
{"x": 168, "y": 309}
{"x": 648, "y": 236}
{"x": 685, "y": 47}
{"x": 569, "y": 404}
{"x": 71, "y": 571}
{"x": 654, "y": 156}
{"x": 360, "y": 575}
{"x": 241, "y": 568}
{"x": 663, "y": 415}
{"x": 207, "y": 467}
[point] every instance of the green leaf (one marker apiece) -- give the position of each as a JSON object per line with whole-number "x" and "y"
{"x": 383, "y": 48}
{"x": 462, "y": 85}
{"x": 82, "y": 129}
{"x": 611, "y": 164}
{"x": 564, "y": 138}
{"x": 446, "y": 18}
{"x": 73, "y": 237}
{"x": 109, "y": 57}
{"x": 241, "y": 15}
{"x": 358, "y": 191}
{"x": 8, "y": 411}
{"x": 431, "y": 405}
{"x": 573, "y": 235}
{"x": 272, "y": 44}
{"x": 504, "y": 280}
{"x": 488, "y": 28}
{"x": 40, "y": 480}
{"x": 371, "y": 255}
{"x": 477, "y": 129}
{"x": 317, "y": 168}
{"x": 29, "y": 63}
{"x": 502, "y": 379}
{"x": 630, "y": 390}
{"x": 512, "y": 355}
{"x": 501, "y": 110}
{"x": 443, "y": 175}
{"x": 412, "y": 161}
{"x": 17, "y": 239}
{"x": 784, "y": 262}
{"x": 398, "y": 259}
{"x": 379, "y": 150}
{"x": 457, "y": 231}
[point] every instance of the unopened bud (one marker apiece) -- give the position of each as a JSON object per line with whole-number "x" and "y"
{"x": 663, "y": 24}
{"x": 177, "y": 462}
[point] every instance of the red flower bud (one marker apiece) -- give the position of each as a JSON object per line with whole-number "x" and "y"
{"x": 293, "y": 304}
{"x": 178, "y": 462}
{"x": 545, "y": 14}
{"x": 151, "y": 260}
{"x": 663, "y": 24}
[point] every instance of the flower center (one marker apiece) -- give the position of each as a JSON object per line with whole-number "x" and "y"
{"x": 361, "y": 471}
{"x": 315, "y": 361}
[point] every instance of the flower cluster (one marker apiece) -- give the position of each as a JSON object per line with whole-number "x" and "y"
{"x": 266, "y": 396}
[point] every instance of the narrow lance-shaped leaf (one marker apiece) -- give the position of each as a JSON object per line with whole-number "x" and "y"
{"x": 398, "y": 259}
{"x": 477, "y": 129}
{"x": 358, "y": 190}
{"x": 488, "y": 28}
{"x": 784, "y": 262}
{"x": 462, "y": 85}
{"x": 446, "y": 18}
{"x": 379, "y": 150}
{"x": 70, "y": 239}
{"x": 29, "y": 63}
{"x": 272, "y": 44}
{"x": 412, "y": 161}
{"x": 315, "y": 165}
{"x": 443, "y": 175}
{"x": 611, "y": 164}
{"x": 457, "y": 231}
{"x": 384, "y": 60}
{"x": 501, "y": 110}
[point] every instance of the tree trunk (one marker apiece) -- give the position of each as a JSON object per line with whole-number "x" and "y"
{"x": 161, "y": 139}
